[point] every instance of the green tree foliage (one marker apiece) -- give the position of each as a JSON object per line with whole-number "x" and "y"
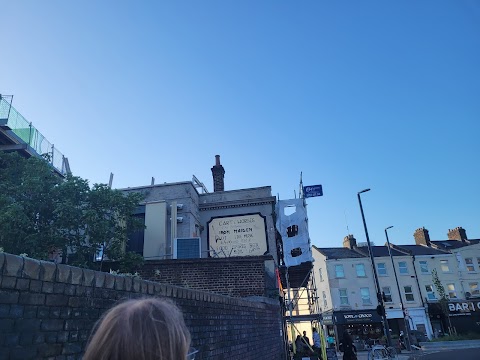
{"x": 42, "y": 214}
{"x": 442, "y": 295}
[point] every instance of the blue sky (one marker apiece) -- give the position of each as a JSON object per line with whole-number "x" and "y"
{"x": 356, "y": 94}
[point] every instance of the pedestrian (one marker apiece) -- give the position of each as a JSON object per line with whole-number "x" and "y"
{"x": 144, "y": 329}
{"x": 349, "y": 350}
{"x": 305, "y": 338}
{"x": 316, "y": 338}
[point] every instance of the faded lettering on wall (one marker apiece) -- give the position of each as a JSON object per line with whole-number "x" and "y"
{"x": 238, "y": 236}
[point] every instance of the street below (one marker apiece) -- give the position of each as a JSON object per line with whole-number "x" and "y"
{"x": 464, "y": 354}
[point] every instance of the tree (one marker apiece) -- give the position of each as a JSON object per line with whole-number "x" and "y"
{"x": 442, "y": 296}
{"x": 41, "y": 214}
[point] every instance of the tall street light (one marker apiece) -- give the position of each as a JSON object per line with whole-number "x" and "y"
{"x": 406, "y": 324}
{"x": 375, "y": 276}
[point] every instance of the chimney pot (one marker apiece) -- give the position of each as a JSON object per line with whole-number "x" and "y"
{"x": 349, "y": 242}
{"x": 458, "y": 234}
{"x": 218, "y": 173}
{"x": 422, "y": 237}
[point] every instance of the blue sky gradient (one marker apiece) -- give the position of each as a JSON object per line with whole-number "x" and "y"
{"x": 356, "y": 94}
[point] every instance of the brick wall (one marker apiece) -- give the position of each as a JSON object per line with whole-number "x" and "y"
{"x": 48, "y": 310}
{"x": 239, "y": 277}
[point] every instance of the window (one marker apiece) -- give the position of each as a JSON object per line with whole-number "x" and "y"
{"x": 343, "y": 296}
{"x": 339, "y": 273}
{"x": 387, "y": 294}
{"x": 430, "y": 293}
{"x": 444, "y": 266}
{"x": 382, "y": 270}
{"x": 469, "y": 263}
{"x": 360, "y": 268}
{"x": 452, "y": 294}
{"x": 324, "y": 299}
{"x": 365, "y": 292}
{"x": 423, "y": 267}
{"x": 478, "y": 262}
{"x": 321, "y": 274}
{"x": 474, "y": 289}
{"x": 408, "y": 293}
{"x": 402, "y": 266}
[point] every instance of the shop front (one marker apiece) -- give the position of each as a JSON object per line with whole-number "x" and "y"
{"x": 362, "y": 325}
{"x": 465, "y": 316}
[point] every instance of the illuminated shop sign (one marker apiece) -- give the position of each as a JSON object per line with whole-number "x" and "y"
{"x": 463, "y": 308}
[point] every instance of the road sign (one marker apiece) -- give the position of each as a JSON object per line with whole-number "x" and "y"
{"x": 312, "y": 191}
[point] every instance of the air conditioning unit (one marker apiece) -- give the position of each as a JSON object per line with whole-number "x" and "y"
{"x": 187, "y": 248}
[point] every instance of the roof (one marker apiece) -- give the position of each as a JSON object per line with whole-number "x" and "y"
{"x": 421, "y": 250}
{"x": 339, "y": 253}
{"x": 454, "y": 244}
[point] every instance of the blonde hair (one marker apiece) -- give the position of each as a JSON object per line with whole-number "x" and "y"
{"x": 144, "y": 329}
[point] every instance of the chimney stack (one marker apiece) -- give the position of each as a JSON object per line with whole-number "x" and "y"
{"x": 421, "y": 237}
{"x": 349, "y": 242}
{"x": 218, "y": 173}
{"x": 458, "y": 234}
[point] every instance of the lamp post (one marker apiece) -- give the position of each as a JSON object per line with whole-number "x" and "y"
{"x": 375, "y": 276}
{"x": 407, "y": 326}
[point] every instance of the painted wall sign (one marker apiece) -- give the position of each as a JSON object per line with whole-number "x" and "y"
{"x": 243, "y": 235}
{"x": 357, "y": 317}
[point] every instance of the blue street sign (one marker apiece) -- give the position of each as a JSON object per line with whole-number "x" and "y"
{"x": 312, "y": 191}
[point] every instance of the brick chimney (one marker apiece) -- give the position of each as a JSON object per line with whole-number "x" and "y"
{"x": 218, "y": 173}
{"x": 458, "y": 233}
{"x": 421, "y": 237}
{"x": 349, "y": 242}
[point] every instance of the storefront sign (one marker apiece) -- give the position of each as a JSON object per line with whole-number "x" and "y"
{"x": 327, "y": 319}
{"x": 243, "y": 235}
{"x": 357, "y": 317}
{"x": 463, "y": 308}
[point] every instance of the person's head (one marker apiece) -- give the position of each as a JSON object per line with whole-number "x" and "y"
{"x": 314, "y": 330}
{"x": 299, "y": 337}
{"x": 346, "y": 334}
{"x": 144, "y": 329}
{"x": 304, "y": 333}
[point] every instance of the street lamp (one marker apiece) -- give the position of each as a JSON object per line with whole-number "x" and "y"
{"x": 407, "y": 327}
{"x": 375, "y": 276}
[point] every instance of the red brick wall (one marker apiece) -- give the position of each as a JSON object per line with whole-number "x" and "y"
{"x": 234, "y": 276}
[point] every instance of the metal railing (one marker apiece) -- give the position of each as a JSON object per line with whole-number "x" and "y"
{"x": 31, "y": 136}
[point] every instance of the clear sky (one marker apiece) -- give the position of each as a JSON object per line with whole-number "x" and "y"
{"x": 356, "y": 94}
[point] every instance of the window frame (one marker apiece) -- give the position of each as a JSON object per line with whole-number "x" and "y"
{"x": 336, "y": 272}
{"x": 388, "y": 294}
{"x": 403, "y": 267}
{"x": 424, "y": 267}
{"x": 384, "y": 269}
{"x": 452, "y": 291}
{"x": 432, "y": 292}
{"x": 365, "y": 301}
{"x": 343, "y": 297}
{"x": 446, "y": 263}
{"x": 324, "y": 296}
{"x": 477, "y": 289}
{"x": 321, "y": 274}
{"x": 364, "y": 271}
{"x": 408, "y": 293}
{"x": 471, "y": 264}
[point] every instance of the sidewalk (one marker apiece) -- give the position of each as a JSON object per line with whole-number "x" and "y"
{"x": 363, "y": 355}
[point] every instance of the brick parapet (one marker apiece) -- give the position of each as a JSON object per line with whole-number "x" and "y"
{"x": 48, "y": 311}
